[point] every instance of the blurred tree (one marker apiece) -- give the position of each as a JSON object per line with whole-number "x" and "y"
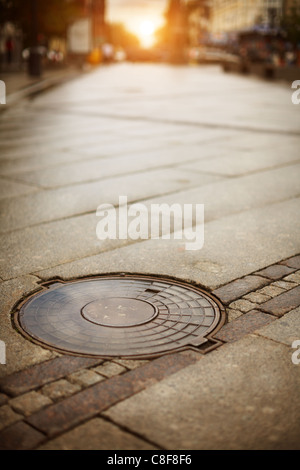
{"x": 119, "y": 36}
{"x": 291, "y": 23}
{"x": 162, "y": 36}
{"x": 52, "y": 16}
{"x": 176, "y": 17}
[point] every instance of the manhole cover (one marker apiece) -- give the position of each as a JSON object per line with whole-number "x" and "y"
{"x": 123, "y": 316}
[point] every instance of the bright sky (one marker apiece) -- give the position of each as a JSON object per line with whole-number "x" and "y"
{"x": 141, "y": 17}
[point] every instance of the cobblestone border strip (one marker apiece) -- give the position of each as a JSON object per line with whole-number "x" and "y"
{"x": 51, "y": 398}
{"x": 258, "y": 299}
{"x": 113, "y": 382}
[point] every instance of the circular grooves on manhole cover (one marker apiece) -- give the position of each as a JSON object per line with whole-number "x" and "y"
{"x": 120, "y": 316}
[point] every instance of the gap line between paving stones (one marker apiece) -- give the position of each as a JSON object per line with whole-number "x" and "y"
{"x": 130, "y": 431}
{"x": 181, "y": 123}
{"x": 129, "y": 242}
{"x": 129, "y": 173}
{"x": 135, "y": 201}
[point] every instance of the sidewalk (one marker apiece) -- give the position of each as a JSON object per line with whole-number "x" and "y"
{"x": 19, "y": 84}
{"x": 157, "y": 134}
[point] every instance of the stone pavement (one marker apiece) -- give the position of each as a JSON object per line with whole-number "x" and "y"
{"x": 155, "y": 133}
{"x": 20, "y": 84}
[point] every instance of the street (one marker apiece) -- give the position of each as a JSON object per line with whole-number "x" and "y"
{"x": 156, "y": 134}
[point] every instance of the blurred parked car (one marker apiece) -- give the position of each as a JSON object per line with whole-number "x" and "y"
{"x": 201, "y": 55}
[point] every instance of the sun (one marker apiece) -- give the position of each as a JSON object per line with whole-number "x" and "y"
{"x": 147, "y": 28}
{"x": 146, "y": 32}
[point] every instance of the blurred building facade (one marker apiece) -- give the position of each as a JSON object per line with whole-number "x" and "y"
{"x": 265, "y": 31}
{"x": 222, "y": 17}
{"x": 291, "y": 5}
{"x": 229, "y": 16}
{"x": 95, "y": 10}
{"x": 199, "y": 19}
{"x": 87, "y": 31}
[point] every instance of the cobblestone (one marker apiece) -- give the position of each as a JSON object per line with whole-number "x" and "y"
{"x": 43, "y": 373}
{"x": 110, "y": 369}
{"x": 283, "y": 303}
{"x": 271, "y": 291}
{"x": 60, "y": 389}
{"x": 29, "y": 403}
{"x": 242, "y": 305}
{"x": 8, "y": 416}
{"x": 295, "y": 277}
{"x": 286, "y": 285}
{"x": 276, "y": 271}
{"x": 85, "y": 377}
{"x": 131, "y": 363}
{"x": 236, "y": 289}
{"x": 293, "y": 262}
{"x": 3, "y": 399}
{"x": 257, "y": 298}
{"x": 91, "y": 401}
{"x": 245, "y": 324}
{"x": 232, "y": 314}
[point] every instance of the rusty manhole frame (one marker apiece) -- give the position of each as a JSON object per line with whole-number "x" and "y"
{"x": 207, "y": 344}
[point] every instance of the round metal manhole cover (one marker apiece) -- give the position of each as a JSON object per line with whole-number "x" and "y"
{"x": 123, "y": 316}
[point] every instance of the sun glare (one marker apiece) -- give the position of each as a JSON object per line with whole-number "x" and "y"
{"x": 147, "y": 28}
{"x": 146, "y": 33}
{"x": 142, "y": 18}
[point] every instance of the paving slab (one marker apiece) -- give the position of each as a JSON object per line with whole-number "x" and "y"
{"x": 284, "y": 330}
{"x": 101, "y": 168}
{"x": 19, "y": 352}
{"x": 40, "y": 249}
{"x": 220, "y": 199}
{"x": 233, "y": 195}
{"x": 235, "y": 162}
{"x": 97, "y": 434}
{"x": 10, "y": 188}
{"x": 20, "y": 436}
{"x": 237, "y": 397}
{"x": 86, "y": 197}
{"x": 212, "y": 266}
{"x": 46, "y": 123}
{"x": 240, "y": 112}
{"x": 78, "y": 235}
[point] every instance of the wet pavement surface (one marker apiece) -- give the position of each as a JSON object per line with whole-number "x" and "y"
{"x": 155, "y": 134}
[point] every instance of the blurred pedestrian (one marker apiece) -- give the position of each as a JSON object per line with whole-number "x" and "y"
{"x": 9, "y": 46}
